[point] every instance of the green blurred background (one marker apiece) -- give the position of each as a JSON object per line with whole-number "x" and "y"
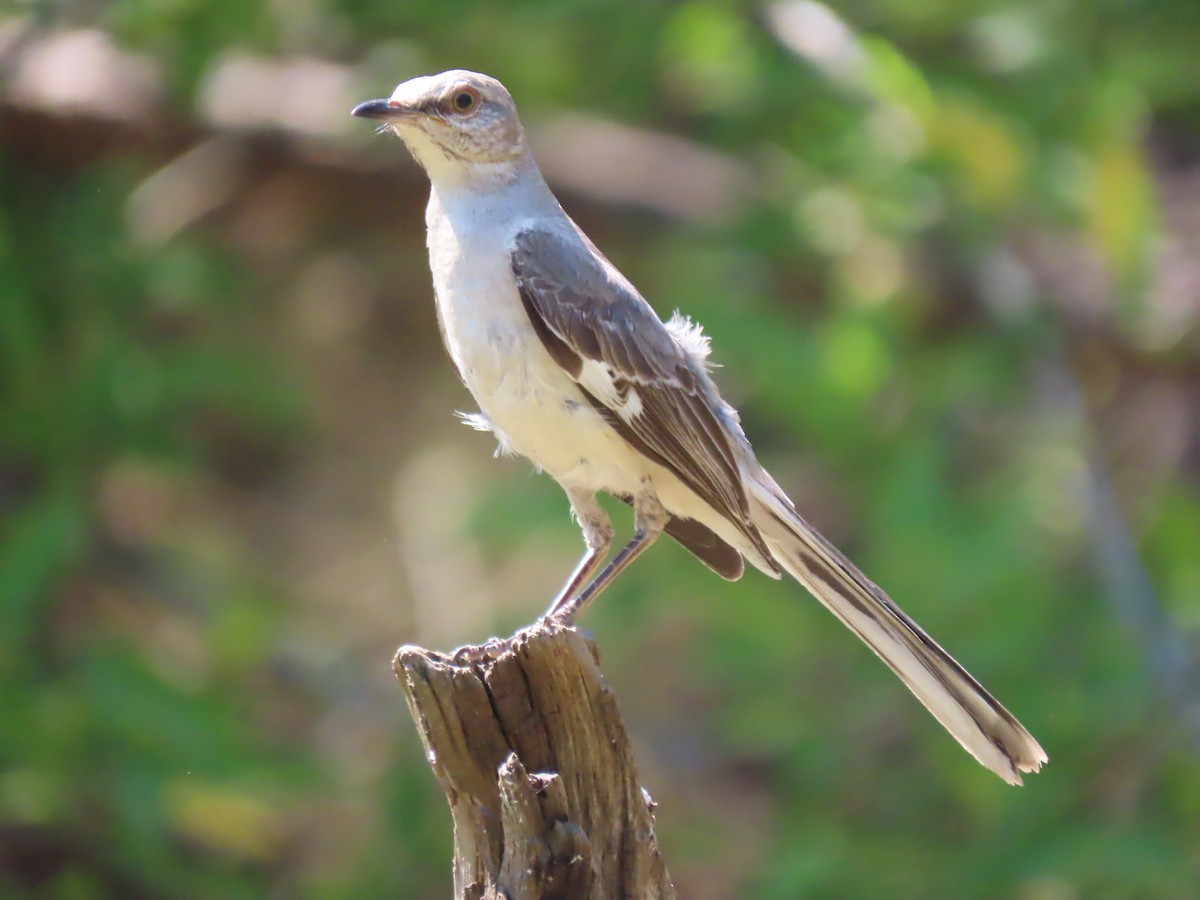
{"x": 950, "y": 255}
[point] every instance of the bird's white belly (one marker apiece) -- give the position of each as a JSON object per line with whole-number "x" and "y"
{"x": 532, "y": 405}
{"x": 534, "y": 408}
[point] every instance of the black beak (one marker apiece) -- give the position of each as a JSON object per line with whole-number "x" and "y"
{"x": 381, "y": 109}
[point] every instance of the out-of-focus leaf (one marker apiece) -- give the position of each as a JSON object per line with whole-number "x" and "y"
{"x": 1121, "y": 206}
{"x": 984, "y": 148}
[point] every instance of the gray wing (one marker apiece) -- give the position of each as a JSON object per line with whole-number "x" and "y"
{"x": 612, "y": 343}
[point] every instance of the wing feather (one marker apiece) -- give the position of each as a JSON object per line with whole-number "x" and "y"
{"x": 584, "y": 310}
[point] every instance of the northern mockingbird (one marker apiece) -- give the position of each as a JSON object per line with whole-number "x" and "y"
{"x": 573, "y": 369}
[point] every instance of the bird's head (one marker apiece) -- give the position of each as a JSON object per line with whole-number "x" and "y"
{"x": 453, "y": 123}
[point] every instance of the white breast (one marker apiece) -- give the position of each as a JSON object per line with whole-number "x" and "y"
{"x": 533, "y": 406}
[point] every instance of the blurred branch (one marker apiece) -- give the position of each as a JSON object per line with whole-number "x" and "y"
{"x": 1068, "y": 272}
{"x": 1123, "y": 579}
{"x": 527, "y": 742}
{"x": 1129, "y": 592}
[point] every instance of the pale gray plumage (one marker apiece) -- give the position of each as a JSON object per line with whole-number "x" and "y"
{"x": 574, "y": 370}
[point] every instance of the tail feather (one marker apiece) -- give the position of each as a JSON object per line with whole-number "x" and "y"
{"x": 976, "y": 720}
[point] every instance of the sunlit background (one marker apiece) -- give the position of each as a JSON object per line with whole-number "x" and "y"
{"x": 949, "y": 256}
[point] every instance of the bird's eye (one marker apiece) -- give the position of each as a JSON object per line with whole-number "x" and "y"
{"x": 465, "y": 100}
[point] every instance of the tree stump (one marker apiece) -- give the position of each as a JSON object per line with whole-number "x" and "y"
{"x": 525, "y": 738}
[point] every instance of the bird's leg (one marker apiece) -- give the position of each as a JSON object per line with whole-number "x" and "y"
{"x": 597, "y": 535}
{"x": 649, "y": 520}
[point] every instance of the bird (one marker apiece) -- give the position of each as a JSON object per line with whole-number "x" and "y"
{"x": 574, "y": 370}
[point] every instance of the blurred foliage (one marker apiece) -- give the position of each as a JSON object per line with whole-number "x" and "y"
{"x": 955, "y": 206}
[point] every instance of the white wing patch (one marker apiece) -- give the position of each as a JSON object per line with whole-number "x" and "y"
{"x": 598, "y": 380}
{"x": 633, "y": 406}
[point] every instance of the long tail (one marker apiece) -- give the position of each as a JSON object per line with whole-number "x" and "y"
{"x": 976, "y": 720}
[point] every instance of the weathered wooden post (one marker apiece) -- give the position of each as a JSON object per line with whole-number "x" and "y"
{"x": 525, "y": 738}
